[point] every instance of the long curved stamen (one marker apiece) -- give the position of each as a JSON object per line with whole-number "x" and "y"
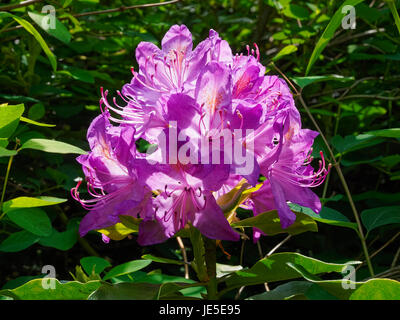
{"x": 313, "y": 180}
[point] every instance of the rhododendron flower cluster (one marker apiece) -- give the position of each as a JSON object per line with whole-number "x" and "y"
{"x": 216, "y": 120}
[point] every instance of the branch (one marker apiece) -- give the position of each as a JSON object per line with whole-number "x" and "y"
{"x": 19, "y": 5}
{"x": 120, "y": 9}
{"x": 339, "y": 171}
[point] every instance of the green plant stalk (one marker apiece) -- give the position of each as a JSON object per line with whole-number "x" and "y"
{"x": 392, "y": 7}
{"x": 5, "y": 184}
{"x": 211, "y": 264}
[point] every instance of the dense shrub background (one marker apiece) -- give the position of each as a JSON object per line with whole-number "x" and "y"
{"x": 362, "y": 97}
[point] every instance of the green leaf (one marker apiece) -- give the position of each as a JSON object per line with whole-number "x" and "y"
{"x": 78, "y": 74}
{"x": 333, "y": 287}
{"x": 9, "y": 118}
{"x": 96, "y": 263}
{"x": 28, "y": 27}
{"x": 378, "y": 289}
{"x": 130, "y": 222}
{"x": 18, "y": 241}
{"x": 60, "y": 31}
{"x": 284, "y": 292}
{"x": 269, "y": 223}
{"x": 62, "y": 240}
{"x": 40, "y": 124}
{"x": 34, "y": 220}
{"x": 376, "y": 217}
{"x": 28, "y": 202}
{"x": 126, "y": 291}
{"x": 34, "y": 290}
{"x": 161, "y": 260}
{"x": 387, "y": 133}
{"x": 303, "y": 82}
{"x": 352, "y": 143}
{"x": 37, "y": 111}
{"x": 51, "y": 146}
{"x": 328, "y": 33}
{"x": 296, "y": 12}
{"x": 126, "y": 268}
{"x": 285, "y": 51}
{"x": 7, "y": 153}
{"x": 276, "y": 268}
{"x": 326, "y": 215}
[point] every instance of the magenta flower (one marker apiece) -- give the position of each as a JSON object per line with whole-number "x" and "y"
{"x": 215, "y": 119}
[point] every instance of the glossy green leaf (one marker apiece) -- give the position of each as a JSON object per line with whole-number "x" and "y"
{"x": 352, "y": 142}
{"x": 161, "y": 260}
{"x": 59, "y": 31}
{"x": 18, "y": 241}
{"x": 284, "y": 52}
{"x": 295, "y": 11}
{"x": 284, "y": 292}
{"x": 9, "y": 118}
{"x": 326, "y": 215}
{"x": 126, "y": 291}
{"x": 37, "y": 111}
{"x": 303, "y": 82}
{"x": 126, "y": 268}
{"x": 29, "y": 202}
{"x": 7, "y": 153}
{"x": 376, "y": 217}
{"x": 94, "y": 263}
{"x": 40, "y": 124}
{"x": 387, "y": 133}
{"x": 269, "y": 223}
{"x": 328, "y": 33}
{"x": 28, "y": 27}
{"x": 378, "y": 289}
{"x": 334, "y": 287}
{"x": 64, "y": 240}
{"x": 34, "y": 220}
{"x": 35, "y": 290}
{"x": 276, "y": 268}
{"x": 51, "y": 146}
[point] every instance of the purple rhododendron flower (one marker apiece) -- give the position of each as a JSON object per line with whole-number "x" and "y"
{"x": 215, "y": 119}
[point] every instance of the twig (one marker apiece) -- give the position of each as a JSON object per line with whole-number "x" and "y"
{"x": 278, "y": 246}
{"x": 19, "y": 5}
{"x": 262, "y": 256}
{"x": 339, "y": 171}
{"x": 357, "y": 96}
{"x": 396, "y": 257}
{"x": 183, "y": 249}
{"x": 120, "y": 9}
{"x": 381, "y": 248}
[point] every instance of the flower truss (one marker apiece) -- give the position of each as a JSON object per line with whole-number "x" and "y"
{"x": 216, "y": 120}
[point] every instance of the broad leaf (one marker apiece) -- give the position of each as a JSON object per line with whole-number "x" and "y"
{"x": 59, "y": 31}
{"x": 376, "y": 217}
{"x": 276, "y": 268}
{"x": 378, "y": 289}
{"x": 126, "y": 268}
{"x": 9, "y": 119}
{"x": 28, "y": 202}
{"x": 51, "y": 146}
{"x": 161, "y": 260}
{"x": 94, "y": 263}
{"x": 35, "y": 290}
{"x": 269, "y": 223}
{"x": 34, "y": 220}
{"x": 326, "y": 215}
{"x": 18, "y": 241}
